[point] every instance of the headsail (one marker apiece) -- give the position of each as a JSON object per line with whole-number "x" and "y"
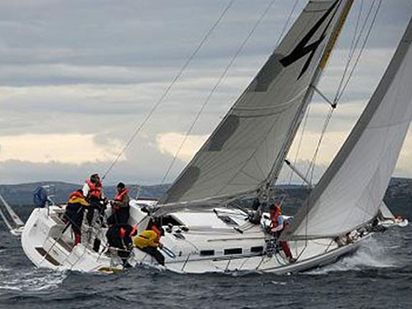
{"x": 14, "y": 217}
{"x": 350, "y": 192}
{"x": 386, "y": 212}
{"x": 249, "y": 145}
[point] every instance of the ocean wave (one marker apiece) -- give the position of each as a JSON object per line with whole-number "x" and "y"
{"x": 371, "y": 254}
{"x": 33, "y": 280}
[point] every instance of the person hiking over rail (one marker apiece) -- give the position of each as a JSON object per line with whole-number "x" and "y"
{"x": 277, "y": 225}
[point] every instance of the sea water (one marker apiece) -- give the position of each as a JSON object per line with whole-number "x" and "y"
{"x": 378, "y": 275}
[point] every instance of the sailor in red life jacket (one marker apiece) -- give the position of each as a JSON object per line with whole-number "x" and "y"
{"x": 93, "y": 191}
{"x": 120, "y": 206}
{"x": 276, "y": 227}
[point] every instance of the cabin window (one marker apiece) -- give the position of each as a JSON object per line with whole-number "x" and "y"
{"x": 233, "y": 251}
{"x": 258, "y": 249}
{"x": 207, "y": 252}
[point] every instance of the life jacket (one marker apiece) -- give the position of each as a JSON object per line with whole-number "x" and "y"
{"x": 95, "y": 191}
{"x": 147, "y": 238}
{"x": 119, "y": 196}
{"x": 77, "y": 198}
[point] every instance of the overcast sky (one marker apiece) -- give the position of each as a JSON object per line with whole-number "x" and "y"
{"x": 77, "y": 77}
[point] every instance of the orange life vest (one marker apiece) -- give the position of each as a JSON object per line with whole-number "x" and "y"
{"x": 119, "y": 196}
{"x": 95, "y": 191}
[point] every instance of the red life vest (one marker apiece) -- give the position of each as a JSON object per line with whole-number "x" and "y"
{"x": 95, "y": 191}
{"x": 120, "y": 195}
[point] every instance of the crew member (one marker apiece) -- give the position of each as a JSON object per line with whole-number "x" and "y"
{"x": 149, "y": 241}
{"x": 74, "y": 213}
{"x": 120, "y": 237}
{"x": 120, "y": 206}
{"x": 93, "y": 191}
{"x": 276, "y": 227}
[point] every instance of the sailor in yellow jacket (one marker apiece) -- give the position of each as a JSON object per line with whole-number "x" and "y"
{"x": 148, "y": 241}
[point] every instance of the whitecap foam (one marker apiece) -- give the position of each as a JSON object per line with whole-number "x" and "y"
{"x": 371, "y": 254}
{"x": 34, "y": 280}
{"x": 278, "y": 282}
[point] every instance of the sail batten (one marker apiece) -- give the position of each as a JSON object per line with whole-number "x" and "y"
{"x": 351, "y": 190}
{"x": 249, "y": 145}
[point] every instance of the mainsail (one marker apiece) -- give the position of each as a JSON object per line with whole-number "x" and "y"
{"x": 248, "y": 147}
{"x": 350, "y": 192}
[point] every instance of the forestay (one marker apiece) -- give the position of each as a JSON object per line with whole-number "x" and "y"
{"x": 252, "y": 139}
{"x": 350, "y": 192}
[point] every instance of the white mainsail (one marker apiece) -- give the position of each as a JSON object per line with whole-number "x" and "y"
{"x": 350, "y": 192}
{"x": 248, "y": 148}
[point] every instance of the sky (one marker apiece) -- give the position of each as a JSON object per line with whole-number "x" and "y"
{"x": 78, "y": 77}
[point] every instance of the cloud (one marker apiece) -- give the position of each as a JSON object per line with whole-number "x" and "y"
{"x": 169, "y": 143}
{"x": 73, "y": 69}
{"x": 46, "y": 148}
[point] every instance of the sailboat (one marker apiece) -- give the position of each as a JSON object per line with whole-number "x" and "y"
{"x": 10, "y": 218}
{"x": 205, "y": 230}
{"x": 388, "y": 219}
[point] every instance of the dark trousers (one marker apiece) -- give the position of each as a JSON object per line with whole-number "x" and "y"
{"x": 119, "y": 217}
{"x": 74, "y": 216}
{"x": 155, "y": 253}
{"x": 94, "y": 206}
{"x": 123, "y": 244}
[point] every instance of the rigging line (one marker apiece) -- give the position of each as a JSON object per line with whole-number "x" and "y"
{"x": 300, "y": 141}
{"x": 361, "y": 51}
{"x": 285, "y": 26}
{"x": 352, "y": 49}
{"x": 339, "y": 95}
{"x": 166, "y": 92}
{"x": 218, "y": 82}
{"x": 315, "y": 154}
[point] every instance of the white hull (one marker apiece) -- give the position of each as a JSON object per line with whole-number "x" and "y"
{"x": 240, "y": 248}
{"x": 46, "y": 246}
{"x": 48, "y": 243}
{"x": 223, "y": 248}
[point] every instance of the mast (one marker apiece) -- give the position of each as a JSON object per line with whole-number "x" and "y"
{"x": 351, "y": 190}
{"x": 247, "y": 149}
{"x": 277, "y": 166}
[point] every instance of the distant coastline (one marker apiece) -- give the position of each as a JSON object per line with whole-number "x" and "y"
{"x": 398, "y": 195}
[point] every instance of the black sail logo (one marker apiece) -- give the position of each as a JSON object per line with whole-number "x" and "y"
{"x": 303, "y": 48}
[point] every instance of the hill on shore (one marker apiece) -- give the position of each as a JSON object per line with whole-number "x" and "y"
{"x": 398, "y": 195}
